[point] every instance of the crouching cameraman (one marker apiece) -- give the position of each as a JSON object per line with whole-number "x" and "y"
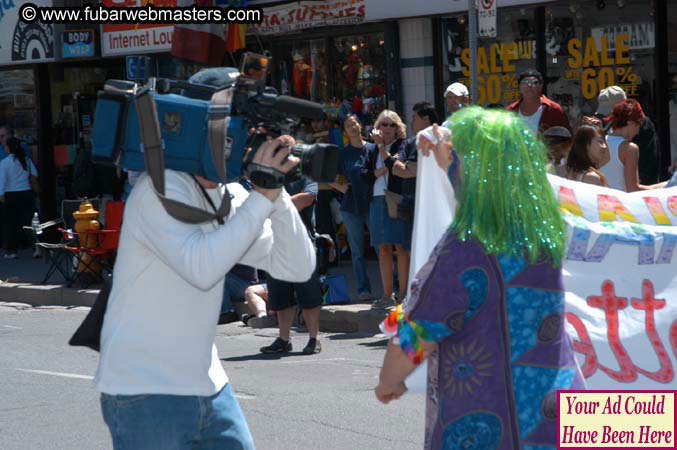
{"x": 161, "y": 381}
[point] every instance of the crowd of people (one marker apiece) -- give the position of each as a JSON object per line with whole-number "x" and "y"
{"x": 157, "y": 384}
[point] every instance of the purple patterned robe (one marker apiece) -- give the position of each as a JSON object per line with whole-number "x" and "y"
{"x": 492, "y": 382}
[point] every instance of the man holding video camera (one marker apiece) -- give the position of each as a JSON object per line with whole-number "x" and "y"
{"x": 162, "y": 383}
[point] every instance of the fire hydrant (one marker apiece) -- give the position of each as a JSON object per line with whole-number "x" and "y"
{"x": 86, "y": 220}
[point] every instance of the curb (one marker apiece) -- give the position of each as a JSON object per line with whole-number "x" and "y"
{"x": 351, "y": 318}
{"x": 47, "y": 295}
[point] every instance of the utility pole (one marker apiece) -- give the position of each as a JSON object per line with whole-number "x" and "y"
{"x": 472, "y": 46}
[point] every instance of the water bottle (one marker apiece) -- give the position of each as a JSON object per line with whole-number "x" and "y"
{"x": 35, "y": 223}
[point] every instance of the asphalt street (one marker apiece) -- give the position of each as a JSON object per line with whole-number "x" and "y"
{"x": 324, "y": 401}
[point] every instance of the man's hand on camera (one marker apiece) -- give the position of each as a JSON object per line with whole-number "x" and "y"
{"x": 281, "y": 161}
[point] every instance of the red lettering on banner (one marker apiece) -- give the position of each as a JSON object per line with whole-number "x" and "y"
{"x": 649, "y": 303}
{"x": 611, "y": 305}
{"x": 584, "y": 346}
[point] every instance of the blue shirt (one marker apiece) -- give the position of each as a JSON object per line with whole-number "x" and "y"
{"x": 356, "y": 198}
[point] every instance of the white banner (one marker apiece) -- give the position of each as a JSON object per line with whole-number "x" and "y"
{"x": 620, "y": 277}
{"x": 22, "y": 43}
{"x": 486, "y": 15}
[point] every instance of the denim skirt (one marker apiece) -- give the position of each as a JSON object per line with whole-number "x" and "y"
{"x": 383, "y": 229}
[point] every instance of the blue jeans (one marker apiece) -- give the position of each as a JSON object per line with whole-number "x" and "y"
{"x": 176, "y": 422}
{"x": 233, "y": 291}
{"x": 355, "y": 229}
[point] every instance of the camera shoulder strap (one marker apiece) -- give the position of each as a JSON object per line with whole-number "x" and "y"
{"x": 151, "y": 138}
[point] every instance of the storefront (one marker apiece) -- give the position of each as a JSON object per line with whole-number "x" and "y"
{"x": 327, "y": 53}
{"x": 580, "y": 47}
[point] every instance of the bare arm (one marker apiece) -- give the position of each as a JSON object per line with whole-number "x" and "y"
{"x": 404, "y": 170}
{"x": 396, "y": 367}
{"x": 593, "y": 178}
{"x": 302, "y": 200}
{"x": 628, "y": 153}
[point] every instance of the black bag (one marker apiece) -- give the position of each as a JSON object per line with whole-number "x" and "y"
{"x": 88, "y": 333}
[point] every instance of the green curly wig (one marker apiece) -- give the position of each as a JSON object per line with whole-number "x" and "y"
{"x": 505, "y": 200}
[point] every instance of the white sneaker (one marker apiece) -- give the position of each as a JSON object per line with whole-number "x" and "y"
{"x": 10, "y": 256}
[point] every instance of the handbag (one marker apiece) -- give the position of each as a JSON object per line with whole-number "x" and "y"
{"x": 393, "y": 200}
{"x": 88, "y": 333}
{"x": 35, "y": 183}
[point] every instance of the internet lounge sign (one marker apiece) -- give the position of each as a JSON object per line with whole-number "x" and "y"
{"x": 126, "y": 39}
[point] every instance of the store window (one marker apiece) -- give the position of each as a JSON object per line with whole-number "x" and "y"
{"x": 499, "y": 60}
{"x": 593, "y": 44}
{"x": 343, "y": 73}
{"x": 17, "y": 103}
{"x": 672, "y": 71}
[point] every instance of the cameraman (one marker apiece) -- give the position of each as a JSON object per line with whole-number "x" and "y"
{"x": 161, "y": 381}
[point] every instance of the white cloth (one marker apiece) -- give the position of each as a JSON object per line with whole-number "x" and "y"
{"x": 13, "y": 177}
{"x": 533, "y": 120}
{"x": 614, "y": 169}
{"x": 381, "y": 183}
{"x": 159, "y": 328}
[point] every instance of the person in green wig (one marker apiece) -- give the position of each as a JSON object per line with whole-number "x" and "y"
{"x": 487, "y": 309}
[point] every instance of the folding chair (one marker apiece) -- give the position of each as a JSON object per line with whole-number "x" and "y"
{"x": 58, "y": 255}
{"x": 98, "y": 260}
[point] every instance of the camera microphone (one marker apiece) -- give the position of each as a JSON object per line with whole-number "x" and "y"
{"x": 299, "y": 107}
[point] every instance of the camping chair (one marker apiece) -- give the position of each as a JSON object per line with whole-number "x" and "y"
{"x": 58, "y": 255}
{"x": 98, "y": 259}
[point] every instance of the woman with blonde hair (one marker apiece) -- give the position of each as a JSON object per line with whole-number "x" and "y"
{"x": 389, "y": 135}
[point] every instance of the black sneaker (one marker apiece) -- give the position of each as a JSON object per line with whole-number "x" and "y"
{"x": 312, "y": 347}
{"x": 278, "y": 346}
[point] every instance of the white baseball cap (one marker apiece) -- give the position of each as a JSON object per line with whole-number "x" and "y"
{"x": 607, "y": 99}
{"x": 457, "y": 89}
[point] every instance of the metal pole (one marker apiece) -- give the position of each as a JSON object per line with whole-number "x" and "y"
{"x": 472, "y": 46}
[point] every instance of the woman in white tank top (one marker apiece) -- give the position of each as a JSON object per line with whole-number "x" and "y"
{"x": 622, "y": 169}
{"x": 589, "y": 151}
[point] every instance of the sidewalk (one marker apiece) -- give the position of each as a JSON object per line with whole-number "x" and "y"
{"x": 20, "y": 278}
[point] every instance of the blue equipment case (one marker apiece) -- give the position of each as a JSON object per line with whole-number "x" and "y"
{"x": 183, "y": 124}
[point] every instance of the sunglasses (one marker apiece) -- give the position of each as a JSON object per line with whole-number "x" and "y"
{"x": 530, "y": 82}
{"x": 390, "y": 124}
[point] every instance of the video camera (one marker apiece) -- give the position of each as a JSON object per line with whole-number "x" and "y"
{"x": 184, "y": 109}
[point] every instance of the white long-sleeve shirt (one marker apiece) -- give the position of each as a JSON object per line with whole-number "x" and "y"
{"x": 159, "y": 327}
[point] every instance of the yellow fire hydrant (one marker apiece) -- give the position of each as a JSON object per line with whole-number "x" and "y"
{"x": 86, "y": 220}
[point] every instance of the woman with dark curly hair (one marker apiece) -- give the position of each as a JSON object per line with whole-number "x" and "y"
{"x": 16, "y": 194}
{"x": 589, "y": 152}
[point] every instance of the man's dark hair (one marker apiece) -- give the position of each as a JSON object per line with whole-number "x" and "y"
{"x": 425, "y": 109}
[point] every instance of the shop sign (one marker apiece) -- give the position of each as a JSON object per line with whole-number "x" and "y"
{"x": 600, "y": 66}
{"x": 22, "y": 42}
{"x": 125, "y": 39}
{"x": 137, "y": 67}
{"x": 496, "y": 77}
{"x": 309, "y": 14}
{"x": 486, "y": 13}
{"x": 640, "y": 35}
{"x": 78, "y": 43}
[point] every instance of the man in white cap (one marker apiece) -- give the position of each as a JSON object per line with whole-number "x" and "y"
{"x": 646, "y": 139}
{"x": 457, "y": 96}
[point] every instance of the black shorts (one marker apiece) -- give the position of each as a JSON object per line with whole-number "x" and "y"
{"x": 281, "y": 293}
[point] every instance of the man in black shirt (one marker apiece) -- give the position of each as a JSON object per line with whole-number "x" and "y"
{"x": 308, "y": 295}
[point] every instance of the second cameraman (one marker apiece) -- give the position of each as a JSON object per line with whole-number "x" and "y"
{"x": 161, "y": 380}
